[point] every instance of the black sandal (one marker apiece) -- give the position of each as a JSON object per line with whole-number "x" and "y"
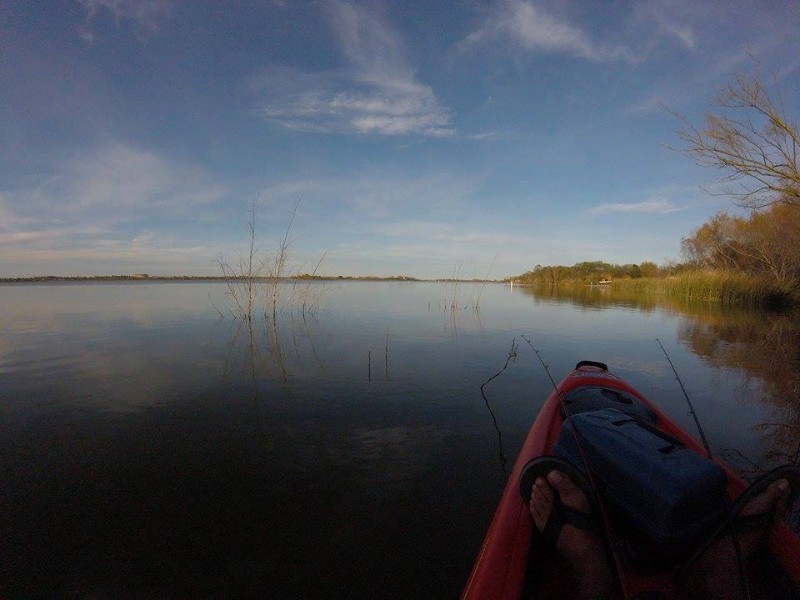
{"x": 735, "y": 523}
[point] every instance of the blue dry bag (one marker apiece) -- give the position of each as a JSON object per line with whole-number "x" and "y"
{"x": 665, "y": 497}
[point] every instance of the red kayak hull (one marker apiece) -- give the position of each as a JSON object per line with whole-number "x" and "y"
{"x": 500, "y": 569}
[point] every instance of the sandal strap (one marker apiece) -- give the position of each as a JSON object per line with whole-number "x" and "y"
{"x": 561, "y": 515}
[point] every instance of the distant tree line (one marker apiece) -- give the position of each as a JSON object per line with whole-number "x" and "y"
{"x": 589, "y": 272}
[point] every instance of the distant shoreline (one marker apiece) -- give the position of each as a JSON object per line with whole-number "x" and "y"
{"x": 212, "y": 278}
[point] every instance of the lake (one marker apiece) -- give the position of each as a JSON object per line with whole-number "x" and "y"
{"x": 153, "y": 445}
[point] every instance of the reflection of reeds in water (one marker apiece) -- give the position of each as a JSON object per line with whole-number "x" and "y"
{"x": 267, "y": 349}
{"x": 385, "y": 360}
{"x": 454, "y": 307}
{"x": 260, "y": 276}
{"x": 455, "y": 301}
{"x": 762, "y": 346}
{"x": 765, "y": 349}
{"x": 723, "y": 287}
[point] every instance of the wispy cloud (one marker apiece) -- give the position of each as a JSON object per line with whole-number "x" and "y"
{"x": 684, "y": 34}
{"x": 377, "y": 93}
{"x": 382, "y": 195}
{"x": 106, "y": 256}
{"x": 96, "y": 204}
{"x": 145, "y": 16}
{"x": 119, "y": 176}
{"x": 536, "y": 30}
{"x": 673, "y": 20}
{"x": 647, "y": 207}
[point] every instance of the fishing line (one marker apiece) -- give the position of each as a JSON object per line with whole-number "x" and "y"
{"x": 512, "y": 355}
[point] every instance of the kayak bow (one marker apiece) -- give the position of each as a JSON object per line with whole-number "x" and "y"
{"x": 513, "y": 561}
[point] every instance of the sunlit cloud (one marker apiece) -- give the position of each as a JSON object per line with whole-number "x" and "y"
{"x": 533, "y": 28}
{"x": 377, "y": 93}
{"x": 660, "y": 207}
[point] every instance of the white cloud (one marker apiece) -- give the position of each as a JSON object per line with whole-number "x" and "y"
{"x": 536, "y": 30}
{"x": 648, "y": 207}
{"x": 379, "y": 110}
{"x": 376, "y": 93}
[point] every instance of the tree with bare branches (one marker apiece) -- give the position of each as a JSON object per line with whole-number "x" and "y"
{"x": 753, "y": 142}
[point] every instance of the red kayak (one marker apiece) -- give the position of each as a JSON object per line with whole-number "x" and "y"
{"x": 663, "y": 499}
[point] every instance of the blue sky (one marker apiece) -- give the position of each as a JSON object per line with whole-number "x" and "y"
{"x": 415, "y": 137}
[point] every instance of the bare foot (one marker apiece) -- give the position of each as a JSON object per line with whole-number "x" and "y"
{"x": 581, "y": 548}
{"x": 717, "y": 571}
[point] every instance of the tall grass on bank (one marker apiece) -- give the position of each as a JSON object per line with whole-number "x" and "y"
{"x": 722, "y": 287}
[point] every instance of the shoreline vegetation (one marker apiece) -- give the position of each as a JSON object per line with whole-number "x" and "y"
{"x": 720, "y": 286}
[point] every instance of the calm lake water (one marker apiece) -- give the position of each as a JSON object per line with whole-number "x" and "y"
{"x": 154, "y": 446}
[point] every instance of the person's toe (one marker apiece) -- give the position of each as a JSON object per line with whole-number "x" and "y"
{"x": 774, "y": 496}
{"x": 571, "y": 495}
{"x": 541, "y": 502}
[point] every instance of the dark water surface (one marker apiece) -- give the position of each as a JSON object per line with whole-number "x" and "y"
{"x": 150, "y": 448}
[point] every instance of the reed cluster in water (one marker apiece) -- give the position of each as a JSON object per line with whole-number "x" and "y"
{"x": 723, "y": 287}
{"x": 256, "y": 276}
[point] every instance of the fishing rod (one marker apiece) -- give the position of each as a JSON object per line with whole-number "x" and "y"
{"x": 689, "y": 402}
{"x": 728, "y": 513}
{"x": 613, "y": 540}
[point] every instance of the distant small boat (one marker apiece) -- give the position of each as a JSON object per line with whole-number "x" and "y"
{"x": 638, "y": 457}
